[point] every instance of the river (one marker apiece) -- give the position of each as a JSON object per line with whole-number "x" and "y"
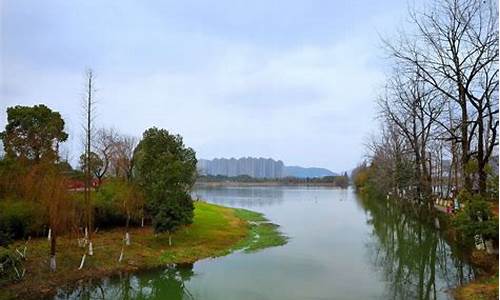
{"x": 340, "y": 247}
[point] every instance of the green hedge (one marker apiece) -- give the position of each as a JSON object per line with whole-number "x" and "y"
{"x": 19, "y": 219}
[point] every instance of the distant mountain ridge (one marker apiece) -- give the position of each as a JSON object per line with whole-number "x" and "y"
{"x": 257, "y": 168}
{"x": 301, "y": 172}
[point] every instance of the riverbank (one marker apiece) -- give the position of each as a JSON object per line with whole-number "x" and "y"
{"x": 485, "y": 285}
{"x": 216, "y": 231}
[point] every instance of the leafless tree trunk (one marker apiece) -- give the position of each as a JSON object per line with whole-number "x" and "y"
{"x": 88, "y": 109}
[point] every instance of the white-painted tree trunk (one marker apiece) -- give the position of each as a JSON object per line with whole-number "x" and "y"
{"x": 169, "y": 239}
{"x": 53, "y": 265}
{"x": 86, "y": 233}
{"x": 142, "y": 222}
{"x": 82, "y": 262}
{"x": 49, "y": 235}
{"x": 489, "y": 246}
{"x": 91, "y": 249}
{"x": 478, "y": 240}
{"x": 20, "y": 253}
{"x": 127, "y": 239}
{"x": 121, "y": 255}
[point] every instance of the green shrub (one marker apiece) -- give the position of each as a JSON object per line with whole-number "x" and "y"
{"x": 476, "y": 218}
{"x": 107, "y": 206}
{"x": 19, "y": 219}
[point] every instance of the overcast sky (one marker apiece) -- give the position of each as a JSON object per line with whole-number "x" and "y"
{"x": 291, "y": 80}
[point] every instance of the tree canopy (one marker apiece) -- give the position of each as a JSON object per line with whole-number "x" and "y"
{"x": 166, "y": 170}
{"x": 33, "y": 132}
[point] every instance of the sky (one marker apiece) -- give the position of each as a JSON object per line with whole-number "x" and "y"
{"x": 290, "y": 80}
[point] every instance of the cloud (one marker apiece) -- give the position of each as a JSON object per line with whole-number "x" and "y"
{"x": 292, "y": 88}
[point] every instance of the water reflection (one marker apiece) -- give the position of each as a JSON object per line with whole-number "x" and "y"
{"x": 416, "y": 262}
{"x": 241, "y": 196}
{"x": 166, "y": 283}
{"x": 341, "y": 247}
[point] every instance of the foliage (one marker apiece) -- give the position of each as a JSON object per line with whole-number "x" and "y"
{"x": 114, "y": 201}
{"x": 173, "y": 213}
{"x": 11, "y": 266}
{"x": 166, "y": 170}
{"x": 360, "y": 176}
{"x": 33, "y": 132}
{"x": 19, "y": 219}
{"x": 476, "y": 218}
{"x": 11, "y": 172}
{"x": 96, "y": 163}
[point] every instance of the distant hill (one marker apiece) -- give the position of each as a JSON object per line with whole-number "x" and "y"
{"x": 301, "y": 172}
{"x": 257, "y": 168}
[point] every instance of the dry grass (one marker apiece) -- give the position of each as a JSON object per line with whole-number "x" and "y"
{"x": 484, "y": 287}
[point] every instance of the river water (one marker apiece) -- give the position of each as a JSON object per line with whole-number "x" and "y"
{"x": 340, "y": 247}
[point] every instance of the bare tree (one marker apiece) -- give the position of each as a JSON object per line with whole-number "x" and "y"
{"x": 413, "y": 106}
{"x": 105, "y": 146}
{"x": 88, "y": 107}
{"x": 123, "y": 156}
{"x": 455, "y": 50}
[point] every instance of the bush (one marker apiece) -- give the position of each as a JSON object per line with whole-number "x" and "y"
{"x": 176, "y": 210}
{"x": 114, "y": 200}
{"x": 476, "y": 218}
{"x": 107, "y": 206}
{"x": 19, "y": 219}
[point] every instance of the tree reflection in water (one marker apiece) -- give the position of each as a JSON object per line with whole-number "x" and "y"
{"x": 143, "y": 285}
{"x": 416, "y": 261}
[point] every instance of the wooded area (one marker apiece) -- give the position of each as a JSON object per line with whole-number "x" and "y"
{"x": 121, "y": 182}
{"x": 439, "y": 115}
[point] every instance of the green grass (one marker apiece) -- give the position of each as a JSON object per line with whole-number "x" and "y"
{"x": 262, "y": 234}
{"x": 216, "y": 231}
{"x": 249, "y": 215}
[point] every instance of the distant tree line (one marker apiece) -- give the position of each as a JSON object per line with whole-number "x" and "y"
{"x": 338, "y": 181}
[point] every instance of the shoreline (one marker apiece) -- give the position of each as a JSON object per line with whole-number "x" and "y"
{"x": 216, "y": 231}
{"x": 213, "y": 184}
{"x": 485, "y": 285}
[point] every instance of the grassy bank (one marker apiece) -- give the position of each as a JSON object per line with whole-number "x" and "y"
{"x": 215, "y": 231}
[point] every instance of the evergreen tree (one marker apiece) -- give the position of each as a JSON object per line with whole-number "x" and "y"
{"x": 166, "y": 170}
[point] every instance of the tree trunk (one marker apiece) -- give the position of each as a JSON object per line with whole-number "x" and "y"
{"x": 481, "y": 159}
{"x": 82, "y": 261}
{"x": 464, "y": 130}
{"x": 127, "y": 239}
{"x": 53, "y": 253}
{"x": 121, "y": 255}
